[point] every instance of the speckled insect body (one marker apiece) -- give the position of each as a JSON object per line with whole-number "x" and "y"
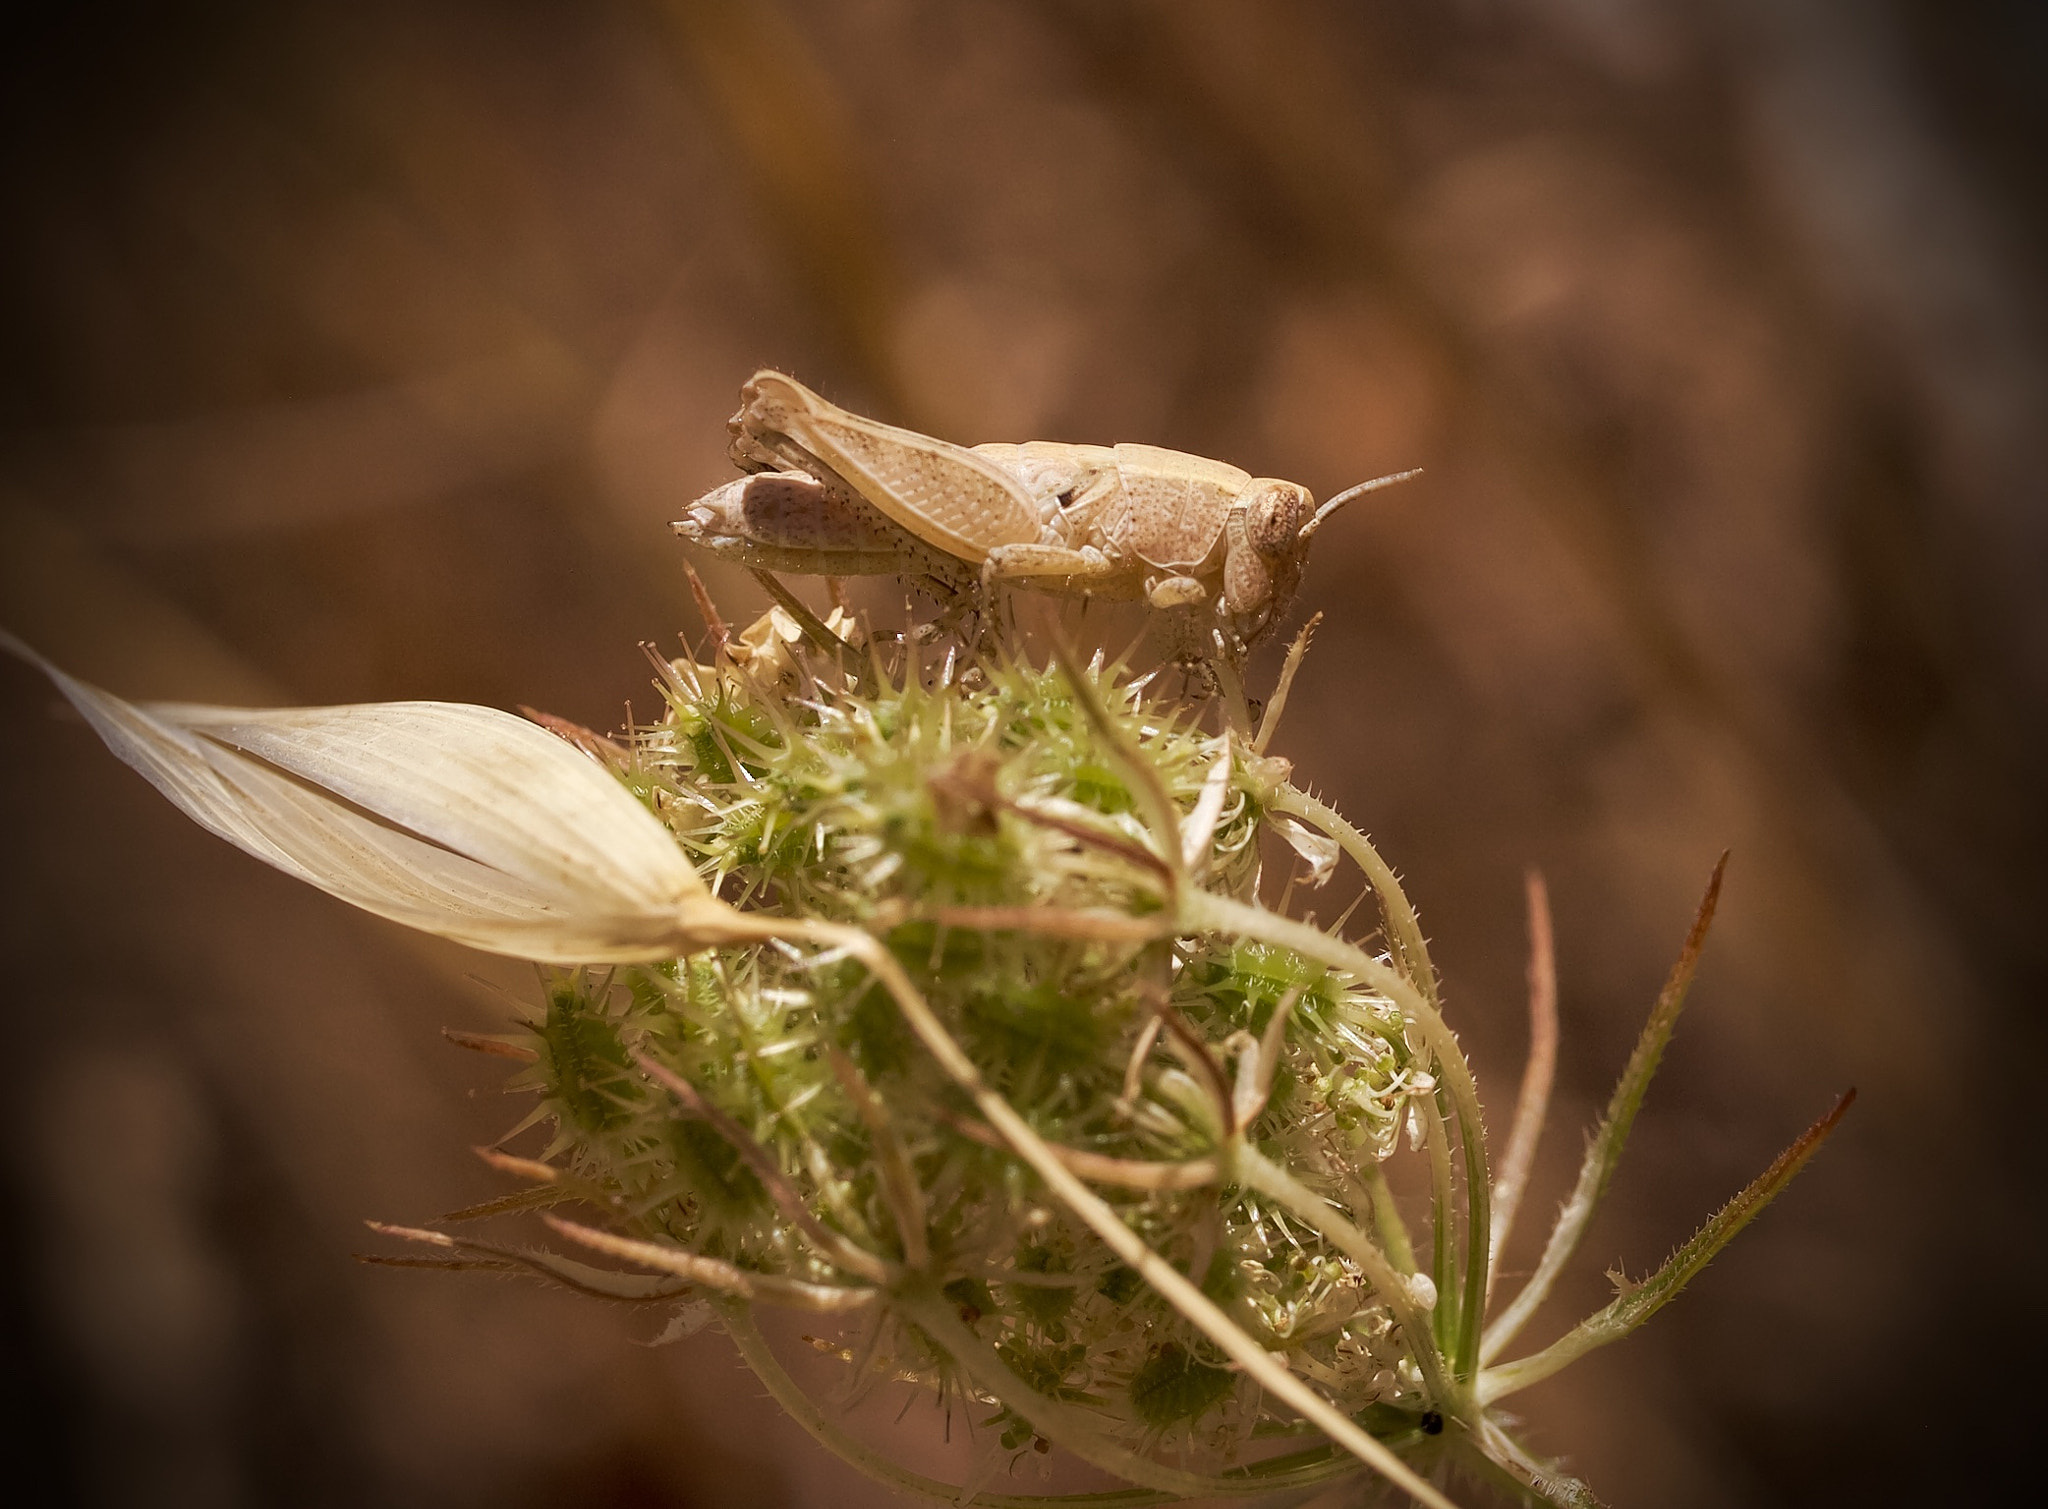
{"x": 835, "y": 494}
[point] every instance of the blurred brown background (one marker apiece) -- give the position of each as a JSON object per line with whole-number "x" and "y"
{"x": 362, "y": 351}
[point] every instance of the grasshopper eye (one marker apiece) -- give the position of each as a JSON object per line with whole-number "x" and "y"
{"x": 1274, "y": 514}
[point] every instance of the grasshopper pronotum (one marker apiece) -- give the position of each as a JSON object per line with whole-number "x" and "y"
{"x": 833, "y": 494}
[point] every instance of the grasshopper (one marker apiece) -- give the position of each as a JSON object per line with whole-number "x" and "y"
{"x": 833, "y": 494}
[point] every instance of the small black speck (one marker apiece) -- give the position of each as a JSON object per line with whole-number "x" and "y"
{"x": 1432, "y": 1423}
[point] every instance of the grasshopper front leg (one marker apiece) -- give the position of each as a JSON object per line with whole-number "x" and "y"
{"x": 945, "y": 495}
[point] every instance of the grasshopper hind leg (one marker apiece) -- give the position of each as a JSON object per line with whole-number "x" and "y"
{"x": 790, "y": 521}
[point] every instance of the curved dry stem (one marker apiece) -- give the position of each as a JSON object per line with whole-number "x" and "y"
{"x": 1101, "y": 1168}
{"x": 1083, "y": 829}
{"x": 597, "y": 1283}
{"x": 1134, "y": 1067}
{"x": 1533, "y": 1102}
{"x": 1411, "y": 950}
{"x": 797, "y": 1294}
{"x": 1192, "y": 1049}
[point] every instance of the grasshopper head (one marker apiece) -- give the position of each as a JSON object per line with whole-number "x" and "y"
{"x": 1280, "y": 518}
{"x": 1275, "y": 513}
{"x": 1259, "y": 581}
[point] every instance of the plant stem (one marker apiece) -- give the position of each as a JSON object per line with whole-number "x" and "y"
{"x": 1533, "y": 1101}
{"x": 1386, "y": 1220}
{"x": 1603, "y": 1153}
{"x": 1404, "y": 929}
{"x": 1443, "y": 1213}
{"x": 1639, "y": 1302}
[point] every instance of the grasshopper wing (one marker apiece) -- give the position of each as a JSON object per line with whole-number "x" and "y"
{"x": 944, "y": 494}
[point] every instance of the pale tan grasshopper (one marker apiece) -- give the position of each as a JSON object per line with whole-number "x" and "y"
{"x": 834, "y": 494}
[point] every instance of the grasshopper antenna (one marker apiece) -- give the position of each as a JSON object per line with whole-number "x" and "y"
{"x": 1349, "y": 493}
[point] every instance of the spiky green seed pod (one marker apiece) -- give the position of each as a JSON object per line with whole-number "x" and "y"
{"x": 933, "y": 812}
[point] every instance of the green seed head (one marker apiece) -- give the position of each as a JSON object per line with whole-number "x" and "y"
{"x": 953, "y": 1005}
{"x": 941, "y": 814}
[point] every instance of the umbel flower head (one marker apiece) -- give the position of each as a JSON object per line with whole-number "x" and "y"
{"x": 930, "y": 988}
